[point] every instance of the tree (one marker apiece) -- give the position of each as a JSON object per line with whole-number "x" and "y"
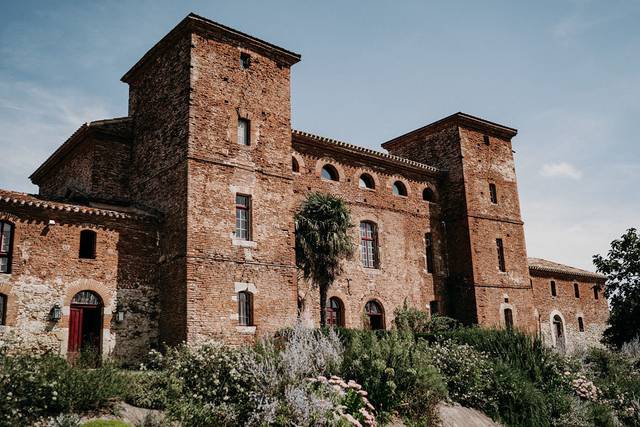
{"x": 323, "y": 241}
{"x": 622, "y": 268}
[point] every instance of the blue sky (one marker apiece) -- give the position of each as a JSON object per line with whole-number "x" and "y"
{"x": 565, "y": 73}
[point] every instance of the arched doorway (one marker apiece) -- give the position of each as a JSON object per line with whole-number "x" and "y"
{"x": 335, "y": 312}
{"x": 558, "y": 333}
{"x": 85, "y": 324}
{"x": 374, "y": 315}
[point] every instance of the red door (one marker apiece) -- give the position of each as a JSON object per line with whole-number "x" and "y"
{"x": 75, "y": 331}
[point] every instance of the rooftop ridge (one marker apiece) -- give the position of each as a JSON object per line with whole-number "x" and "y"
{"x": 31, "y": 200}
{"x": 540, "y": 264}
{"x": 368, "y": 151}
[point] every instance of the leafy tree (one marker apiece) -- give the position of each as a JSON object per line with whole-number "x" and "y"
{"x": 323, "y": 241}
{"x": 622, "y": 268}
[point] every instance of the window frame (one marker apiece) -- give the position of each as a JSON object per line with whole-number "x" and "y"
{"x": 8, "y": 254}
{"x": 245, "y": 60}
{"x": 4, "y": 307}
{"x": 428, "y": 195}
{"x": 576, "y": 290}
{"x": 399, "y": 189}
{"x": 596, "y": 293}
{"x": 90, "y": 252}
{"x": 335, "y": 316}
{"x": 429, "y": 255}
{"x": 247, "y": 209}
{"x": 508, "y": 318}
{"x": 380, "y": 315}
{"x": 245, "y": 305}
{"x": 580, "y": 324}
{"x": 244, "y": 137}
{"x": 369, "y": 245}
{"x": 502, "y": 262}
{"x": 493, "y": 193}
{"x": 367, "y": 179}
{"x": 553, "y": 288}
{"x": 332, "y": 171}
{"x": 295, "y": 165}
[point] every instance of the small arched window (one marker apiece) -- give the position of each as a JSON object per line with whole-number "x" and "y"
{"x": 576, "y": 290}
{"x": 580, "y": 324}
{"x": 335, "y": 312}
{"x": 86, "y": 298}
{"x": 399, "y": 189}
{"x": 329, "y": 173}
{"x": 554, "y": 291}
{"x": 369, "y": 244}
{"x": 245, "y": 308}
{"x": 508, "y": 318}
{"x": 295, "y": 167}
{"x": 375, "y": 315}
{"x": 6, "y": 243}
{"x": 366, "y": 181}
{"x": 428, "y": 195}
{"x": 3, "y": 309}
{"x": 87, "y": 244}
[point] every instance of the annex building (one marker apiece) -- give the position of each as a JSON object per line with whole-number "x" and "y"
{"x": 175, "y": 223}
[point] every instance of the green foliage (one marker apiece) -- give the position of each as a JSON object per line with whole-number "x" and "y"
{"x": 622, "y": 268}
{"x": 147, "y": 389}
{"x": 105, "y": 423}
{"x": 34, "y": 386}
{"x": 420, "y": 322}
{"x": 396, "y": 371}
{"x": 323, "y": 241}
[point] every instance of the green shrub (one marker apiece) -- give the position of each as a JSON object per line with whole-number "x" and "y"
{"x": 396, "y": 371}
{"x": 420, "y": 322}
{"x": 147, "y": 389}
{"x": 105, "y": 423}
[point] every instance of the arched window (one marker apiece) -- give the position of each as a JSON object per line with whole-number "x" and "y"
{"x": 366, "y": 181}
{"x": 375, "y": 315}
{"x": 329, "y": 173}
{"x": 369, "y": 244}
{"x": 3, "y": 309}
{"x": 6, "y": 243}
{"x": 558, "y": 332}
{"x": 86, "y": 298}
{"x": 428, "y": 195}
{"x": 580, "y": 324}
{"x": 508, "y": 318}
{"x": 245, "y": 308}
{"x": 87, "y": 244}
{"x": 576, "y": 290}
{"x": 554, "y": 291}
{"x": 335, "y": 312}
{"x": 399, "y": 189}
{"x": 295, "y": 167}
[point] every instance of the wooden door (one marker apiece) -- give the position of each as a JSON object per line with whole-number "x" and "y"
{"x": 75, "y": 330}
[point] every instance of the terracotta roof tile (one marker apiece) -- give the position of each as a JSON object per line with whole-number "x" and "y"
{"x": 543, "y": 265}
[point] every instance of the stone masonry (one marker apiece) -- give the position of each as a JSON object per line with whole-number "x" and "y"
{"x": 208, "y": 129}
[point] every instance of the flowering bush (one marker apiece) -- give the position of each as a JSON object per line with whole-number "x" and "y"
{"x": 354, "y": 406}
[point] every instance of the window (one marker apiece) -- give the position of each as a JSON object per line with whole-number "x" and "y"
{"x": 595, "y": 293}
{"x": 3, "y": 309}
{"x": 244, "y": 132}
{"x": 576, "y": 290}
{"x": 434, "y": 307}
{"x": 369, "y": 244}
{"x": 375, "y": 315}
{"x": 329, "y": 173}
{"x": 580, "y": 324}
{"x": 87, "y": 244}
{"x": 295, "y": 167}
{"x": 500, "y": 248}
{"x": 493, "y": 193}
{"x": 243, "y": 217}
{"x": 508, "y": 318}
{"x": 335, "y": 312}
{"x": 427, "y": 195}
{"x": 86, "y": 298}
{"x": 428, "y": 245}
{"x": 245, "y": 60}
{"x": 366, "y": 181}
{"x": 245, "y": 308}
{"x": 485, "y": 139}
{"x": 399, "y": 189}
{"x": 6, "y": 242}
{"x": 554, "y": 292}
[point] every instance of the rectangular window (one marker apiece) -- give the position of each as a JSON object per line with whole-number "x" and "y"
{"x": 245, "y": 308}
{"x": 243, "y": 217}
{"x": 244, "y": 132}
{"x": 245, "y": 60}
{"x": 6, "y": 234}
{"x": 595, "y": 293}
{"x": 554, "y": 291}
{"x": 580, "y": 324}
{"x": 3, "y": 309}
{"x": 500, "y": 248}
{"x": 428, "y": 245}
{"x": 369, "y": 244}
{"x": 87, "y": 244}
{"x": 434, "y": 307}
{"x": 493, "y": 193}
{"x": 576, "y": 290}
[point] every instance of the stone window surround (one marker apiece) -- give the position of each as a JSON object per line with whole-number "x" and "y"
{"x": 242, "y": 113}
{"x": 514, "y": 312}
{"x": 564, "y": 326}
{"x": 245, "y": 191}
{"x": 240, "y": 287}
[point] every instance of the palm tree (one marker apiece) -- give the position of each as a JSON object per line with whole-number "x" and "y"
{"x": 322, "y": 242}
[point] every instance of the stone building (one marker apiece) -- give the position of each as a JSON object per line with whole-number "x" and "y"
{"x": 176, "y": 224}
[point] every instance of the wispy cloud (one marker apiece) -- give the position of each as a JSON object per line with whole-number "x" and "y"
{"x": 560, "y": 169}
